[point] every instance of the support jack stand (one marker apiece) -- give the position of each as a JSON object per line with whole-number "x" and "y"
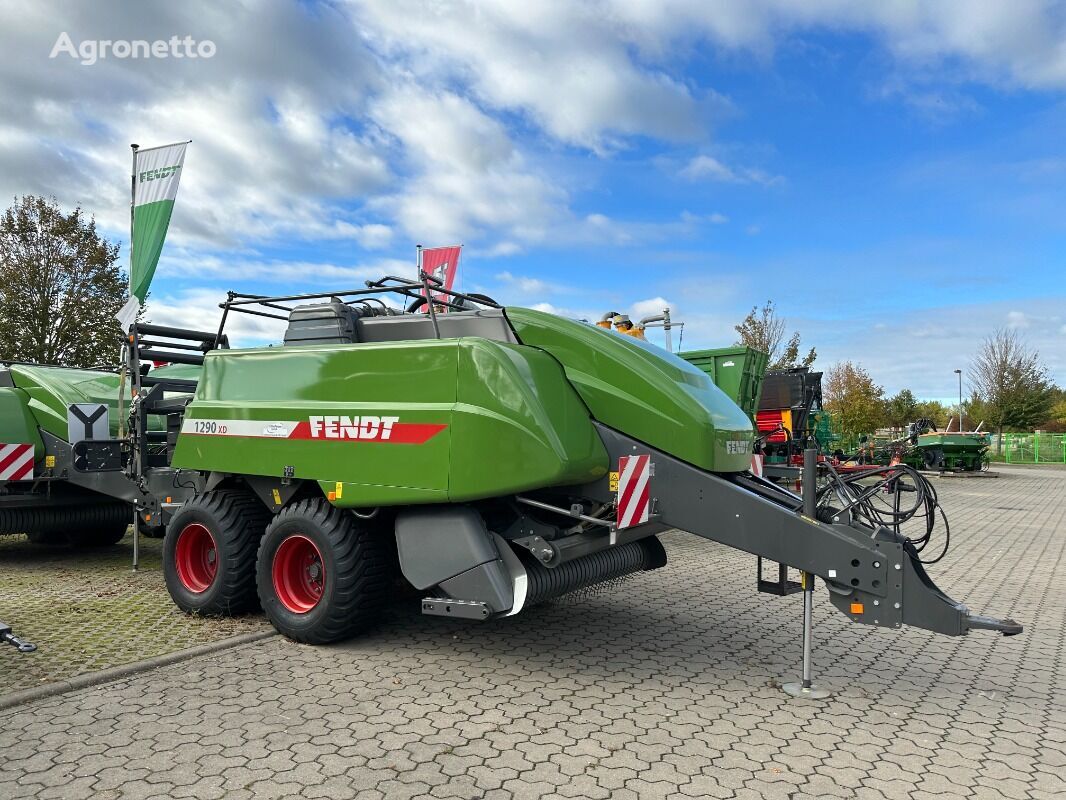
{"x": 805, "y": 687}
{"x": 7, "y": 637}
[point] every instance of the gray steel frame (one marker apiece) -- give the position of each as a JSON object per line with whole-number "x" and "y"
{"x": 874, "y": 568}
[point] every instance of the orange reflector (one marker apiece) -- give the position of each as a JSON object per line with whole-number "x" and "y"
{"x": 331, "y": 496}
{"x": 856, "y": 608}
{"x": 170, "y": 499}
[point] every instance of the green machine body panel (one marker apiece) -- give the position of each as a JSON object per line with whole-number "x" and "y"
{"x": 737, "y": 371}
{"x": 393, "y": 423}
{"x": 47, "y": 391}
{"x": 17, "y": 425}
{"x": 636, "y": 387}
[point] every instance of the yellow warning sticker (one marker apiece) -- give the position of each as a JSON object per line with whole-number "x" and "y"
{"x": 340, "y": 490}
{"x": 277, "y": 497}
{"x": 614, "y": 482}
{"x": 49, "y": 461}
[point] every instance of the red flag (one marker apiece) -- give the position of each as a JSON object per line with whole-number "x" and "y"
{"x": 441, "y": 263}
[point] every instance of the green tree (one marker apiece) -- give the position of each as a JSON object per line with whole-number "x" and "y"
{"x": 1012, "y": 381}
{"x": 852, "y": 397}
{"x": 933, "y": 410}
{"x": 974, "y": 412}
{"x": 764, "y": 330}
{"x": 59, "y": 286}
{"x": 1057, "y": 415}
{"x": 901, "y": 408}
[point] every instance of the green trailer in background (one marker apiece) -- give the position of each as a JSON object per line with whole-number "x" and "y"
{"x": 737, "y": 371}
{"x": 69, "y": 479}
{"x": 949, "y": 451}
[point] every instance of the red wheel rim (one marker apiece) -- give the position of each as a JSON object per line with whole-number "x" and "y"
{"x": 299, "y": 574}
{"x": 196, "y": 558}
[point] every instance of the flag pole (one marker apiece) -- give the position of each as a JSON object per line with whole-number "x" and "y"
{"x": 133, "y": 199}
{"x": 127, "y": 360}
{"x": 125, "y": 333}
{"x": 122, "y": 374}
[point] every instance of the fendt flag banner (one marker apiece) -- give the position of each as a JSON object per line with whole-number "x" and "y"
{"x": 156, "y": 173}
{"x": 441, "y": 263}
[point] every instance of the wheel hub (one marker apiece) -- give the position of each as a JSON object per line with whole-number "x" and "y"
{"x": 196, "y": 558}
{"x": 299, "y": 574}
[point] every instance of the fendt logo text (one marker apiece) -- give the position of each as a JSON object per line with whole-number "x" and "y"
{"x": 340, "y": 427}
{"x": 156, "y": 174}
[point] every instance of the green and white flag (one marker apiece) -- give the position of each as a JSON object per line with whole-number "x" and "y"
{"x": 156, "y": 172}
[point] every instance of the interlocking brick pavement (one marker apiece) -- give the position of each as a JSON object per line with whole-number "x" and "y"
{"x": 86, "y": 611}
{"x": 667, "y": 687}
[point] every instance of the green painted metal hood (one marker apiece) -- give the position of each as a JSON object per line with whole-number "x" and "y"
{"x": 50, "y": 390}
{"x": 47, "y": 391}
{"x": 955, "y": 441}
{"x": 643, "y": 391}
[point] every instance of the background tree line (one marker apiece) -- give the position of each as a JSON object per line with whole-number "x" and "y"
{"x": 1010, "y": 387}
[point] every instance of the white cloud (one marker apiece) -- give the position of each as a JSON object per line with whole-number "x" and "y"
{"x": 527, "y": 284}
{"x": 647, "y": 308}
{"x": 467, "y": 176}
{"x": 566, "y": 66}
{"x": 269, "y": 159}
{"x": 1017, "y": 319}
{"x": 198, "y": 309}
{"x": 1019, "y": 42}
{"x": 718, "y": 219}
{"x": 705, "y": 167}
{"x": 369, "y": 122}
{"x": 593, "y": 74}
{"x": 239, "y": 272}
{"x": 922, "y": 356}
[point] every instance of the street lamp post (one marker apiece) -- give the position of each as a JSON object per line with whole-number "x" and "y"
{"x": 959, "y": 373}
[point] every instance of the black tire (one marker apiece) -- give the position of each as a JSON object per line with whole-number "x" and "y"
{"x": 235, "y": 521}
{"x": 355, "y": 567}
{"x": 934, "y": 459}
{"x": 103, "y": 537}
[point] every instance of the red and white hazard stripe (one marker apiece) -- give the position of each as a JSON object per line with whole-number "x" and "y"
{"x": 756, "y": 465}
{"x": 16, "y": 462}
{"x": 633, "y": 504}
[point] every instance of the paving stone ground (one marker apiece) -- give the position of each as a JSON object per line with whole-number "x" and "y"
{"x": 665, "y": 687}
{"x": 86, "y": 610}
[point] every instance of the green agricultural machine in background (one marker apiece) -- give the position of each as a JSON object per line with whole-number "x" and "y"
{"x": 737, "y": 371}
{"x": 945, "y": 451}
{"x": 923, "y": 447}
{"x": 64, "y": 471}
{"x": 494, "y": 457}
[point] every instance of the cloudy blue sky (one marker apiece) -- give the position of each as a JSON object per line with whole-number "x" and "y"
{"x": 893, "y": 175}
